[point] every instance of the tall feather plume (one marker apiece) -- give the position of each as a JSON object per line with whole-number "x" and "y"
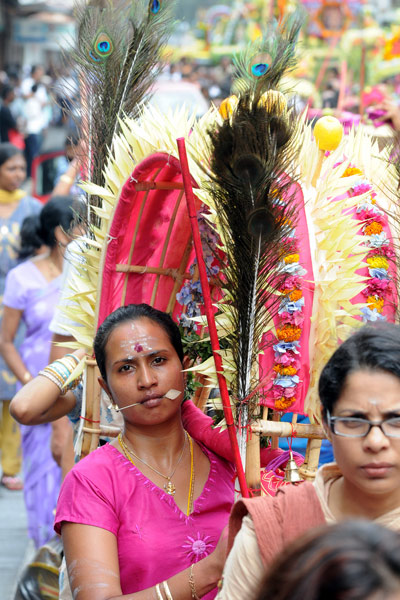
{"x": 252, "y": 152}
{"x": 116, "y": 58}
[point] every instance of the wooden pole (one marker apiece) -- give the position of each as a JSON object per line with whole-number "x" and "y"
{"x": 285, "y": 429}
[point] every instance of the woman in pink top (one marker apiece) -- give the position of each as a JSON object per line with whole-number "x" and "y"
{"x": 142, "y": 517}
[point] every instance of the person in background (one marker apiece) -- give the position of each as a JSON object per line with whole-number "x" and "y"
{"x": 15, "y": 205}
{"x": 31, "y": 294}
{"x": 359, "y": 389}
{"x": 35, "y": 123}
{"x": 353, "y": 560}
{"x": 7, "y": 120}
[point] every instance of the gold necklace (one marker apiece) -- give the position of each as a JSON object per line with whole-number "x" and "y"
{"x": 191, "y": 482}
{"x": 169, "y": 486}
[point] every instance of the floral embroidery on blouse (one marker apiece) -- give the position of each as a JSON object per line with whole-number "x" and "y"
{"x": 198, "y": 547}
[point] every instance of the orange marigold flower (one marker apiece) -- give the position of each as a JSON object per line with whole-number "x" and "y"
{"x": 351, "y": 171}
{"x": 288, "y": 333}
{"x": 375, "y": 302}
{"x": 373, "y": 228}
{"x": 292, "y": 258}
{"x": 378, "y": 262}
{"x": 283, "y": 403}
{"x": 295, "y": 295}
{"x": 285, "y": 370}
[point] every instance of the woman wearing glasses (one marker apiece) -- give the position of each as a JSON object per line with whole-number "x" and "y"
{"x": 359, "y": 390}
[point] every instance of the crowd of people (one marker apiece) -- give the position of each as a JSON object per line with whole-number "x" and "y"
{"x": 151, "y": 513}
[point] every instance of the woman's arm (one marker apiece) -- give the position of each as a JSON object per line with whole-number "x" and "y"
{"x": 243, "y": 570}
{"x": 40, "y": 401}
{"x": 9, "y": 327}
{"x": 92, "y": 560}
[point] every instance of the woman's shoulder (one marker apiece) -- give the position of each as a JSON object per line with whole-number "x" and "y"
{"x": 98, "y": 468}
{"x": 98, "y": 462}
{"x": 30, "y": 205}
{"x": 21, "y": 275}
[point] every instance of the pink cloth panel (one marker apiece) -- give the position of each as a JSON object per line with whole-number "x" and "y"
{"x": 146, "y": 218}
{"x": 267, "y": 359}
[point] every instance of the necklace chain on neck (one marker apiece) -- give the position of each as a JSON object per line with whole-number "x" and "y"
{"x": 169, "y": 486}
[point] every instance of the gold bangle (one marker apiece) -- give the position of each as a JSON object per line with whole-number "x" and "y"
{"x": 66, "y": 179}
{"x": 192, "y": 584}
{"x": 26, "y": 377}
{"x": 158, "y": 592}
{"x": 167, "y": 591}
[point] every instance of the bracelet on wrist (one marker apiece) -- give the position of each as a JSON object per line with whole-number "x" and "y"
{"x": 192, "y": 584}
{"x": 26, "y": 377}
{"x": 60, "y": 370}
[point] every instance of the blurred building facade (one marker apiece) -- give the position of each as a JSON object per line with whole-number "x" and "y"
{"x": 34, "y": 31}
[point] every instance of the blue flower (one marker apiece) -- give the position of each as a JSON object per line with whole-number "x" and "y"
{"x": 377, "y": 240}
{"x": 287, "y": 381}
{"x": 379, "y": 273}
{"x": 282, "y": 347}
{"x": 371, "y": 315}
{"x": 290, "y": 306}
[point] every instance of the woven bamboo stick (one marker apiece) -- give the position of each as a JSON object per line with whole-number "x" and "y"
{"x": 92, "y": 411}
{"x": 181, "y": 275}
{"x": 202, "y": 393}
{"x": 165, "y": 246}
{"x": 284, "y": 429}
{"x": 253, "y": 465}
{"x": 143, "y": 186}
{"x": 309, "y": 468}
{"x": 103, "y": 430}
{"x": 174, "y": 273}
{"x": 131, "y": 249}
{"x": 275, "y": 438}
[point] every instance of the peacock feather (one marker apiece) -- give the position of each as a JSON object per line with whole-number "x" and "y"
{"x": 116, "y": 59}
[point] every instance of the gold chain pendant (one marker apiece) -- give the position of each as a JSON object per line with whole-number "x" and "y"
{"x": 170, "y": 488}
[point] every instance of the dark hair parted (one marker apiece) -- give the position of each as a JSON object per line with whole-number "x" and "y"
{"x": 372, "y": 348}
{"x": 7, "y": 151}
{"x": 133, "y": 312}
{"x": 39, "y": 230}
{"x": 353, "y": 560}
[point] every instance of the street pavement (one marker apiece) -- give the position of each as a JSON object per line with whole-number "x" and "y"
{"x": 15, "y": 547}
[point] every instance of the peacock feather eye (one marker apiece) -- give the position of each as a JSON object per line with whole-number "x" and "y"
{"x": 154, "y": 6}
{"x": 93, "y": 57}
{"x": 103, "y": 45}
{"x": 259, "y": 69}
{"x": 260, "y": 64}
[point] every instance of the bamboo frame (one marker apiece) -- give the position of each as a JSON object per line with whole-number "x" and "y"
{"x": 165, "y": 247}
{"x": 132, "y": 247}
{"x": 285, "y": 429}
{"x": 90, "y": 441}
{"x": 309, "y": 468}
{"x": 202, "y": 393}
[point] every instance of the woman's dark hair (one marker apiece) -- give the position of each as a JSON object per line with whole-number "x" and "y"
{"x": 7, "y": 151}
{"x": 132, "y": 312}
{"x": 39, "y": 230}
{"x": 353, "y": 560}
{"x": 373, "y": 348}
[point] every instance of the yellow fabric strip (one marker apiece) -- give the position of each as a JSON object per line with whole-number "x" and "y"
{"x": 11, "y": 197}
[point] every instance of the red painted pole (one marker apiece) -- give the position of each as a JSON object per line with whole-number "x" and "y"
{"x": 210, "y": 315}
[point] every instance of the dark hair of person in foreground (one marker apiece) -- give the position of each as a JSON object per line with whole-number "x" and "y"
{"x": 353, "y": 560}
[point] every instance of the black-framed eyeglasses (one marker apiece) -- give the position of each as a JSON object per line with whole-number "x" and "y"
{"x": 354, "y": 427}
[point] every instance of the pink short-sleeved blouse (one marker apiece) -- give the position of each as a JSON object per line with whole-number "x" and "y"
{"x": 155, "y": 538}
